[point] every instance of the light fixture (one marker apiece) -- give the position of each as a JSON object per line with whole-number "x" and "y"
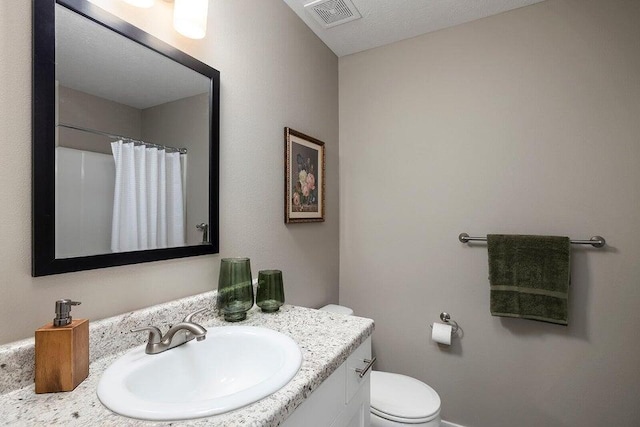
{"x": 189, "y": 16}
{"x": 140, "y": 3}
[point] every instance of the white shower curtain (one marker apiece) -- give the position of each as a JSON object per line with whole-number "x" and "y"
{"x": 148, "y": 201}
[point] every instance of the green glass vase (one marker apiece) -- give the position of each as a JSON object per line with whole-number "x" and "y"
{"x": 270, "y": 294}
{"x": 235, "y": 290}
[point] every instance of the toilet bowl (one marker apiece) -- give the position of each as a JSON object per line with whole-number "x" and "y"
{"x": 398, "y": 400}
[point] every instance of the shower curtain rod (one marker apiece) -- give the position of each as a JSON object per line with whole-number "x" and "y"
{"x": 115, "y": 136}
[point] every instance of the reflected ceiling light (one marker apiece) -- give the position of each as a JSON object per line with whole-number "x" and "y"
{"x": 140, "y": 3}
{"x": 190, "y": 18}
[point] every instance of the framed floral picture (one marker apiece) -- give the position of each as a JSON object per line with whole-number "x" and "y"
{"x": 303, "y": 178}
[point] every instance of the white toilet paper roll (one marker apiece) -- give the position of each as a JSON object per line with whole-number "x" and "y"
{"x": 441, "y": 333}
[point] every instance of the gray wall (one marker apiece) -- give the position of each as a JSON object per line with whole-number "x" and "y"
{"x": 525, "y": 122}
{"x": 84, "y": 110}
{"x": 275, "y": 73}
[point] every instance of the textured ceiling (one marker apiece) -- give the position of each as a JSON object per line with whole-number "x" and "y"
{"x": 388, "y": 21}
{"x": 95, "y": 60}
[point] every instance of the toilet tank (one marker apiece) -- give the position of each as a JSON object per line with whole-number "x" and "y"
{"x": 340, "y": 309}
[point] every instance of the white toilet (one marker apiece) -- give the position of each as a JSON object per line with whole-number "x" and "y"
{"x": 398, "y": 400}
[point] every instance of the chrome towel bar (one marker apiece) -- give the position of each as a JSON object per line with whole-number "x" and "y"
{"x": 595, "y": 241}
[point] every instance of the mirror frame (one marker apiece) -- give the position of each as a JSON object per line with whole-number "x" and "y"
{"x": 44, "y": 261}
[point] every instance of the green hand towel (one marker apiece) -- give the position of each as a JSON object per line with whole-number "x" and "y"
{"x": 529, "y": 276}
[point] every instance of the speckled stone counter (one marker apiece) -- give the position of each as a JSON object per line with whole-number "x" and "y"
{"x": 326, "y": 340}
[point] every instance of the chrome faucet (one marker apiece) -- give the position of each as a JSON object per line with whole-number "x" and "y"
{"x": 177, "y": 334}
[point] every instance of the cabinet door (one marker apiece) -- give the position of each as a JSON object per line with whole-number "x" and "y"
{"x": 357, "y": 361}
{"x": 362, "y": 416}
{"x": 322, "y": 406}
{"x": 356, "y": 412}
{"x": 342, "y": 400}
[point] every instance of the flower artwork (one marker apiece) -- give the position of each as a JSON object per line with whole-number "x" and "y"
{"x": 305, "y": 193}
{"x": 304, "y": 170}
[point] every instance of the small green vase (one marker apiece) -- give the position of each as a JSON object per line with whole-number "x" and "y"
{"x": 270, "y": 294}
{"x": 235, "y": 290}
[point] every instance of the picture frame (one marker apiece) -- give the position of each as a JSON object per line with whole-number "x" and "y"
{"x": 304, "y": 182}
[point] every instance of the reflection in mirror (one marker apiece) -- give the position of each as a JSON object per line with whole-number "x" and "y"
{"x": 133, "y": 128}
{"x": 113, "y": 96}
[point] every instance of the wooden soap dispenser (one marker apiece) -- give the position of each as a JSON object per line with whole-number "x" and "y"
{"x": 62, "y": 351}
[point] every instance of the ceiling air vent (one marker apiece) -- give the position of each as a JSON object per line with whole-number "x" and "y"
{"x": 330, "y": 13}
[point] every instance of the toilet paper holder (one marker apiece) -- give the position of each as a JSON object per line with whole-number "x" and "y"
{"x": 446, "y": 318}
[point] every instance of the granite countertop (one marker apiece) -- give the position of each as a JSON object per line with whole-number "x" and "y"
{"x": 326, "y": 340}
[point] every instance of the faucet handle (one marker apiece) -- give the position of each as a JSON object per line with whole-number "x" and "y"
{"x": 155, "y": 336}
{"x": 190, "y": 316}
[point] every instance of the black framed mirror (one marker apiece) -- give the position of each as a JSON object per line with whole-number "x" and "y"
{"x": 125, "y": 144}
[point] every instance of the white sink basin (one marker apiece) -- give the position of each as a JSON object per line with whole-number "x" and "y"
{"x": 233, "y": 367}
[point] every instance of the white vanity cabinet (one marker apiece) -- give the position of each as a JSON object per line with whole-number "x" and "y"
{"x": 342, "y": 400}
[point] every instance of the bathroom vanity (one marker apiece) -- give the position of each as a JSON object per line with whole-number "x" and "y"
{"x": 326, "y": 391}
{"x": 343, "y": 399}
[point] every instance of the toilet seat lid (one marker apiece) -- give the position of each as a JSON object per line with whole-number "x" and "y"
{"x": 399, "y": 397}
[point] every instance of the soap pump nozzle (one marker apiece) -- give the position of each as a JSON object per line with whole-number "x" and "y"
{"x": 63, "y": 308}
